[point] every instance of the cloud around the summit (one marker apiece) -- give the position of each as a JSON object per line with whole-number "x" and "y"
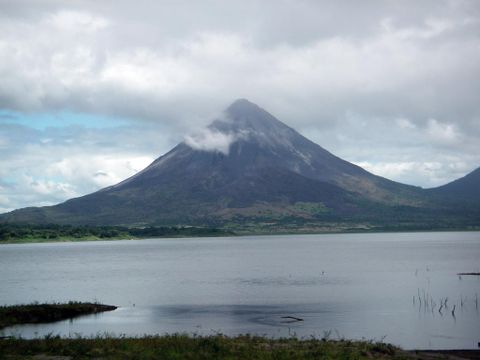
{"x": 392, "y": 86}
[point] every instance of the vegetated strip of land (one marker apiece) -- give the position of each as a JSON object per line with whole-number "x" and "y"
{"x": 15, "y": 233}
{"x": 179, "y": 346}
{"x": 45, "y": 313}
{"x": 24, "y": 233}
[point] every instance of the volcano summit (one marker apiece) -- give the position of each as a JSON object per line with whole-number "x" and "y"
{"x": 249, "y": 170}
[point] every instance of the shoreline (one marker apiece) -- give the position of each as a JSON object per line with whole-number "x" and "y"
{"x": 184, "y": 345}
{"x": 449, "y": 354}
{"x": 232, "y": 234}
{"x": 215, "y": 346}
{"x": 11, "y": 315}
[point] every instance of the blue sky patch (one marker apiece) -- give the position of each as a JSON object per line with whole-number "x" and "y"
{"x": 59, "y": 119}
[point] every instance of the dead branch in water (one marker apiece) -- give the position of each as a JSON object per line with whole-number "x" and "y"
{"x": 292, "y": 318}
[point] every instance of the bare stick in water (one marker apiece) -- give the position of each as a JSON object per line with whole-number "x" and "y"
{"x": 292, "y": 317}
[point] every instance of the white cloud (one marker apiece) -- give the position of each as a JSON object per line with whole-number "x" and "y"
{"x": 403, "y": 170}
{"x": 442, "y": 133}
{"x": 429, "y": 174}
{"x": 390, "y": 88}
{"x": 430, "y": 28}
{"x": 49, "y": 182}
{"x": 100, "y": 170}
{"x": 77, "y": 21}
{"x": 58, "y": 190}
{"x": 75, "y": 162}
{"x": 405, "y": 124}
{"x": 210, "y": 140}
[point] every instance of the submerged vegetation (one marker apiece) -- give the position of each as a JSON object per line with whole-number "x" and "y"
{"x": 444, "y": 306}
{"x": 21, "y": 233}
{"x": 43, "y": 313}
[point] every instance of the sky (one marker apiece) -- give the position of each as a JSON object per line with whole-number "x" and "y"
{"x": 92, "y": 91}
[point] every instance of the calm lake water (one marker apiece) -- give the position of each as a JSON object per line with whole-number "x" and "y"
{"x": 371, "y": 286}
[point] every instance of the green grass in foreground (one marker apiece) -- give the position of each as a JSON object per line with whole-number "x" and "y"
{"x": 186, "y": 347}
{"x": 44, "y": 313}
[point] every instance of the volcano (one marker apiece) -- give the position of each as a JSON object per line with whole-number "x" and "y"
{"x": 247, "y": 167}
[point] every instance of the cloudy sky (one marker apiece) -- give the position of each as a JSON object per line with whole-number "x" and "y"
{"x": 92, "y": 91}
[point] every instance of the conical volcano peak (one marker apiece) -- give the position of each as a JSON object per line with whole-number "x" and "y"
{"x": 243, "y": 122}
{"x": 243, "y": 106}
{"x": 248, "y": 113}
{"x": 249, "y": 168}
{"x": 245, "y": 117}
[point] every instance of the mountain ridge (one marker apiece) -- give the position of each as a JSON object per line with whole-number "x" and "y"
{"x": 249, "y": 167}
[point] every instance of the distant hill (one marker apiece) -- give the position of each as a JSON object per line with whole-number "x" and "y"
{"x": 464, "y": 189}
{"x": 250, "y": 170}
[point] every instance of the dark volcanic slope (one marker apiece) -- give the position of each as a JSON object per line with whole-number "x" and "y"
{"x": 269, "y": 171}
{"x": 270, "y": 142}
{"x": 466, "y": 188}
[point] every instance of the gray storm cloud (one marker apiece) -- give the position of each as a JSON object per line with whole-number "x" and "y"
{"x": 392, "y": 86}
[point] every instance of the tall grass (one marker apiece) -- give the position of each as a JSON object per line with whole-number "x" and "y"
{"x": 179, "y": 346}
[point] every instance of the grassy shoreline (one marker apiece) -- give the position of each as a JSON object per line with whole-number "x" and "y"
{"x": 24, "y": 234}
{"x": 183, "y": 346}
{"x": 28, "y": 233}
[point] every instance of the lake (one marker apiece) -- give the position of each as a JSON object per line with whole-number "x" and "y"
{"x": 382, "y": 286}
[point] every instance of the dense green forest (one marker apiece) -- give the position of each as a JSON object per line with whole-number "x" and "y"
{"x": 52, "y": 232}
